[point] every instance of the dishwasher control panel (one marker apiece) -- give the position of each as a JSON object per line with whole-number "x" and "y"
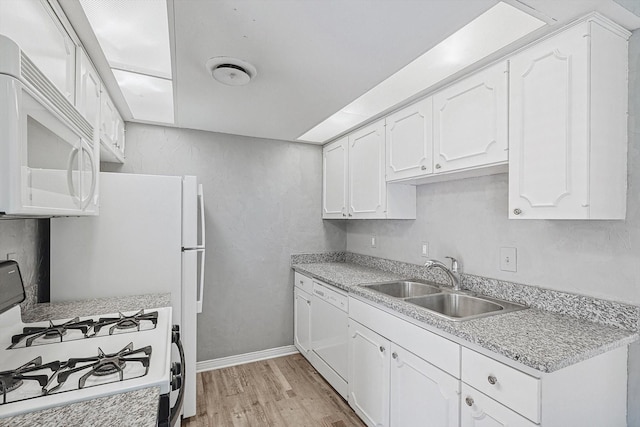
{"x": 334, "y": 298}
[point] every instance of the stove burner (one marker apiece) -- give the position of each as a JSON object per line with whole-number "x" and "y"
{"x": 126, "y": 322}
{"x": 104, "y": 364}
{"x": 108, "y": 367}
{"x": 50, "y": 332}
{"x": 11, "y": 380}
{"x": 12, "y": 385}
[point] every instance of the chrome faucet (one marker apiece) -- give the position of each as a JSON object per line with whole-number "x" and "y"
{"x": 453, "y": 273}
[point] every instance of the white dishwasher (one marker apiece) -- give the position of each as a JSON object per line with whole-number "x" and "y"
{"x": 329, "y": 333}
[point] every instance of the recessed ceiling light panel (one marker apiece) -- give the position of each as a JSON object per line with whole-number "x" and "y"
{"x": 231, "y": 71}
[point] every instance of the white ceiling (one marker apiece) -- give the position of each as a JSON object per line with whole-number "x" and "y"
{"x": 313, "y": 56}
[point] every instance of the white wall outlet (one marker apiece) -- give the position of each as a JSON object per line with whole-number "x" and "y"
{"x": 11, "y": 256}
{"x": 509, "y": 259}
{"x": 424, "y": 249}
{"x": 373, "y": 241}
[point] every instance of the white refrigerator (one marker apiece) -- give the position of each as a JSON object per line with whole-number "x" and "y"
{"x": 149, "y": 237}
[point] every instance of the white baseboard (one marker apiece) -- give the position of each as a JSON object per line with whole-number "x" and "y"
{"x": 224, "y": 362}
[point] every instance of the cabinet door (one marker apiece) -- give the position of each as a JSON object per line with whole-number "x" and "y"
{"x": 108, "y": 114}
{"x": 334, "y": 179}
{"x": 409, "y": 141}
{"x": 302, "y": 321}
{"x": 471, "y": 121}
{"x": 421, "y": 394}
{"x": 368, "y": 375}
{"x": 119, "y": 134}
{"x": 34, "y": 26}
{"x": 478, "y": 410}
{"x": 88, "y": 102}
{"x": 367, "y": 185}
{"x": 548, "y": 140}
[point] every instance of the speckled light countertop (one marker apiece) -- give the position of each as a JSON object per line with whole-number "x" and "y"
{"x": 536, "y": 338}
{"x": 137, "y": 408}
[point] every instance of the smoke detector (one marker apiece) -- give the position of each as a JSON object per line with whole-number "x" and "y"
{"x": 231, "y": 71}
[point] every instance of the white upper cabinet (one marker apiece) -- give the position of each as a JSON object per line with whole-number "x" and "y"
{"x": 470, "y": 121}
{"x": 568, "y": 125}
{"x": 353, "y": 179}
{"x": 34, "y": 26}
{"x": 335, "y": 172}
{"x": 88, "y": 90}
{"x": 367, "y": 195}
{"x": 111, "y": 131}
{"x": 409, "y": 143}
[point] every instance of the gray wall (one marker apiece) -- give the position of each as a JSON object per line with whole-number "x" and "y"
{"x": 262, "y": 204}
{"x": 468, "y": 220}
{"x": 22, "y": 237}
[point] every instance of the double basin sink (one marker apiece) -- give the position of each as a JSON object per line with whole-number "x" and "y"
{"x": 443, "y": 301}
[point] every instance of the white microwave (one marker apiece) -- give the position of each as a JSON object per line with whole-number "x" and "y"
{"x": 49, "y": 153}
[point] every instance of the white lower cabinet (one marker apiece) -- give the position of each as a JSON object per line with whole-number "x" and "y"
{"x": 421, "y": 394}
{"x": 479, "y": 410}
{"x": 368, "y": 375}
{"x": 302, "y": 320}
{"x": 392, "y": 386}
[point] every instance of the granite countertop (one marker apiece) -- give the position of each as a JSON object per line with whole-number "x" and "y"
{"x": 135, "y": 408}
{"x": 536, "y": 338}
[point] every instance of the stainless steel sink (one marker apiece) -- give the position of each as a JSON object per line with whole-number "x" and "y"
{"x": 442, "y": 301}
{"x": 404, "y": 288}
{"x": 455, "y": 306}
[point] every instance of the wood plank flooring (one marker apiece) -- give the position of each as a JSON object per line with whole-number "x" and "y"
{"x": 285, "y": 391}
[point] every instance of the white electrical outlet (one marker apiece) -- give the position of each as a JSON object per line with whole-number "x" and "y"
{"x": 424, "y": 249}
{"x": 509, "y": 259}
{"x": 11, "y": 256}
{"x": 373, "y": 241}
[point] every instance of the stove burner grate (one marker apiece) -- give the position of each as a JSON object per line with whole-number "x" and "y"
{"x": 11, "y": 380}
{"x": 104, "y": 364}
{"x": 31, "y": 333}
{"x": 126, "y": 322}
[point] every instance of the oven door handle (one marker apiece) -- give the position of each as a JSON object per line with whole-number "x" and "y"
{"x": 177, "y": 408}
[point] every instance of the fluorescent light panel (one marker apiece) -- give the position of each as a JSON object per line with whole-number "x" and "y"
{"x": 496, "y": 28}
{"x": 134, "y": 36}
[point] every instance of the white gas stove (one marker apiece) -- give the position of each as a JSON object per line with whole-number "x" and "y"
{"x": 57, "y": 362}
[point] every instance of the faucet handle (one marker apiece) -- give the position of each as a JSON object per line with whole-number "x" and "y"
{"x": 454, "y": 264}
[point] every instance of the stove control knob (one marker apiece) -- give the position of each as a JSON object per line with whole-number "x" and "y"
{"x": 176, "y": 382}
{"x": 176, "y": 368}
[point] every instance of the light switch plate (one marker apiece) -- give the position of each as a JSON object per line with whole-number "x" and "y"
{"x": 509, "y": 259}
{"x": 424, "y": 249}
{"x": 373, "y": 241}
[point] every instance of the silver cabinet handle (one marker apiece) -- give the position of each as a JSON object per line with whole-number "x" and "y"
{"x": 381, "y": 349}
{"x": 438, "y": 166}
{"x": 344, "y": 214}
{"x": 517, "y": 211}
{"x": 469, "y": 401}
{"x": 308, "y": 302}
{"x": 423, "y": 167}
{"x": 301, "y": 282}
{"x": 492, "y": 380}
{"x": 350, "y": 215}
{"x": 394, "y": 355}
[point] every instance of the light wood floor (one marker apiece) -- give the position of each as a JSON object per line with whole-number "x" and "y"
{"x": 286, "y": 391}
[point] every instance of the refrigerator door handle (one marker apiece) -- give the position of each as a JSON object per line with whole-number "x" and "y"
{"x": 201, "y": 204}
{"x": 201, "y": 284}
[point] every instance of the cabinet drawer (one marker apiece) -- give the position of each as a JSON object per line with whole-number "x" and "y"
{"x": 303, "y": 282}
{"x": 512, "y": 388}
{"x": 476, "y": 409}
